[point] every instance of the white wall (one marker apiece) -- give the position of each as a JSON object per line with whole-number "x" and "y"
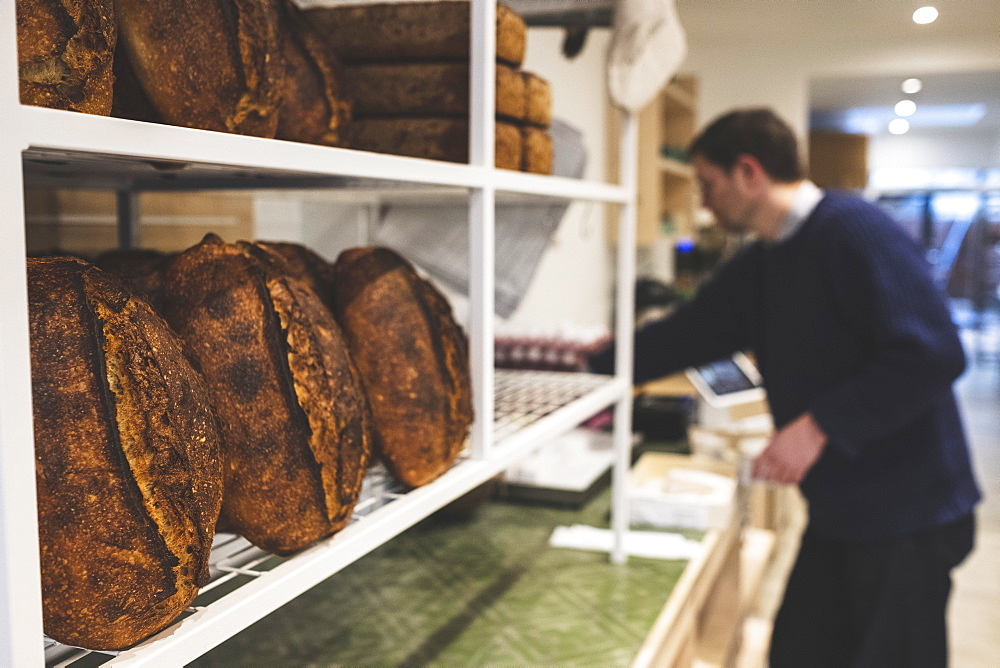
{"x": 748, "y": 75}
{"x": 777, "y": 72}
{"x": 573, "y": 282}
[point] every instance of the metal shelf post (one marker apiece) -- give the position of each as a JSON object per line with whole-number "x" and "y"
{"x": 624, "y": 325}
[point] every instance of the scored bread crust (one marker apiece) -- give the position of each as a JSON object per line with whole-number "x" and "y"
{"x": 141, "y": 269}
{"x": 210, "y": 64}
{"x": 413, "y": 359}
{"x": 306, "y": 265}
{"x": 293, "y": 416}
{"x": 127, "y": 457}
{"x": 65, "y": 51}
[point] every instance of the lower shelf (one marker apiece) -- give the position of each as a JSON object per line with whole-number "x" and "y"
{"x": 532, "y": 407}
{"x": 472, "y": 586}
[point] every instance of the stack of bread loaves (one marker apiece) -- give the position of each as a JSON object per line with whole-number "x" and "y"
{"x": 407, "y": 72}
{"x": 268, "y": 69}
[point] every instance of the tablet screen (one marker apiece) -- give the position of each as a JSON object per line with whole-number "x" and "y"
{"x": 725, "y": 377}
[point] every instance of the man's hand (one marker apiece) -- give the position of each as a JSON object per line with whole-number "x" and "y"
{"x": 792, "y": 452}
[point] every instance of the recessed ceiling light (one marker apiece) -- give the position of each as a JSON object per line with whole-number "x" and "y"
{"x": 911, "y": 86}
{"x": 899, "y": 126}
{"x": 905, "y": 108}
{"x": 925, "y": 15}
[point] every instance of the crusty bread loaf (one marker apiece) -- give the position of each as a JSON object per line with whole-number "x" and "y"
{"x": 306, "y": 265}
{"x": 314, "y": 106}
{"x": 64, "y": 51}
{"x": 428, "y": 89}
{"x": 538, "y": 96}
{"x": 127, "y": 459}
{"x": 210, "y": 64}
{"x": 433, "y": 138}
{"x": 403, "y": 32}
{"x": 413, "y": 359}
{"x": 538, "y": 151}
{"x": 292, "y": 413}
{"x": 141, "y": 268}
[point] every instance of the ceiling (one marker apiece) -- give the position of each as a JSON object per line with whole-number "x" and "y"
{"x": 835, "y": 26}
{"x": 855, "y": 20}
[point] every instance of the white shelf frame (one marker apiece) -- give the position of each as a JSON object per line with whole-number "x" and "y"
{"x": 57, "y": 131}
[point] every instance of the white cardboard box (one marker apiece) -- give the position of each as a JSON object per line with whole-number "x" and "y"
{"x": 691, "y": 492}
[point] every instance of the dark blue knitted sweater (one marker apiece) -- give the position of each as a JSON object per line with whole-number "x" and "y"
{"x": 846, "y": 323}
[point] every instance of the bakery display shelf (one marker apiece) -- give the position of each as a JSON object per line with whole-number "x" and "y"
{"x": 678, "y": 96}
{"x": 531, "y": 408}
{"x": 676, "y": 168}
{"x": 49, "y": 148}
{"x": 73, "y": 150}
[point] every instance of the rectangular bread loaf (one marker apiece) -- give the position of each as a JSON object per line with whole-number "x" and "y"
{"x": 429, "y": 89}
{"x": 413, "y": 31}
{"x": 434, "y": 138}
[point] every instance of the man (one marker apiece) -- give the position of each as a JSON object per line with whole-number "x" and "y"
{"x": 858, "y": 354}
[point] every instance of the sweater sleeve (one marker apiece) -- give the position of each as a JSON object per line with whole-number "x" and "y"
{"x": 708, "y": 328}
{"x": 881, "y": 282}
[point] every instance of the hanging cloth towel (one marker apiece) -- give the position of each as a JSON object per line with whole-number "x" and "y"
{"x": 647, "y": 47}
{"x": 436, "y": 237}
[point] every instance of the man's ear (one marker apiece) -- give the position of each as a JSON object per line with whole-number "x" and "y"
{"x": 750, "y": 172}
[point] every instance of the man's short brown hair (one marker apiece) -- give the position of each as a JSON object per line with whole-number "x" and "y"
{"x": 756, "y": 132}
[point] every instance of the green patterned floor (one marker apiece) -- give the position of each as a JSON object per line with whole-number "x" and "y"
{"x": 472, "y": 590}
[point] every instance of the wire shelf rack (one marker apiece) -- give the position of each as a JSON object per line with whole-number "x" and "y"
{"x": 522, "y": 398}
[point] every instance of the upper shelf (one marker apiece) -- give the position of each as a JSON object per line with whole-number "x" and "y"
{"x": 67, "y": 149}
{"x": 679, "y": 95}
{"x": 676, "y": 168}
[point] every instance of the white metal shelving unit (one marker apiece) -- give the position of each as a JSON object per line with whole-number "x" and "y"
{"x": 44, "y": 146}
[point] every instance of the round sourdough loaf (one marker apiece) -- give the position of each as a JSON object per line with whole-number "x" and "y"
{"x": 209, "y": 64}
{"x": 306, "y": 265}
{"x": 127, "y": 459}
{"x": 140, "y": 268}
{"x": 314, "y": 108}
{"x": 64, "y": 51}
{"x": 413, "y": 358}
{"x": 294, "y": 420}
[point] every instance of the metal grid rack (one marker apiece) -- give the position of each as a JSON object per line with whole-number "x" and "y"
{"x": 47, "y": 147}
{"x": 522, "y": 397}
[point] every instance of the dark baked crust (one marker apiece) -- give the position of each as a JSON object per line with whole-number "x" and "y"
{"x": 141, "y": 268}
{"x": 433, "y": 138}
{"x": 293, "y": 416}
{"x": 304, "y": 264}
{"x": 214, "y": 64}
{"x": 413, "y": 359}
{"x": 64, "y": 52}
{"x": 405, "y": 32}
{"x": 126, "y": 448}
{"x": 314, "y": 106}
{"x": 428, "y": 89}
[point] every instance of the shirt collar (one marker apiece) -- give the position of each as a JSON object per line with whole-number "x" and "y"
{"x": 807, "y": 196}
